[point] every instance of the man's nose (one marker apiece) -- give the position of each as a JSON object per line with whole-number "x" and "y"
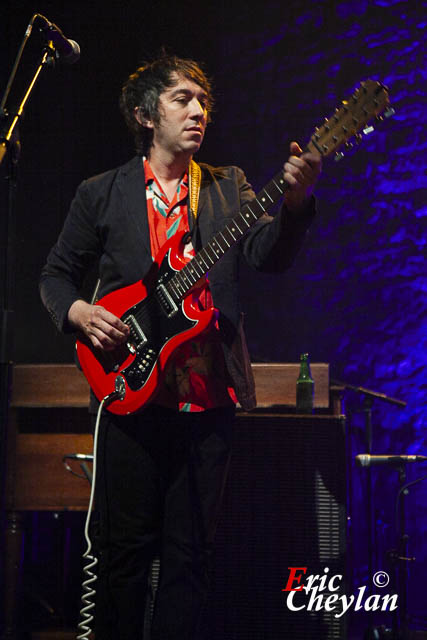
{"x": 197, "y": 109}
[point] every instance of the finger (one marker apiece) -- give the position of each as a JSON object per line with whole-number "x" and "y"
{"x": 101, "y": 332}
{"x": 102, "y": 340}
{"x": 306, "y": 160}
{"x": 105, "y": 319}
{"x": 298, "y": 173}
{"x": 314, "y": 161}
{"x": 299, "y": 167}
{"x": 115, "y": 321}
{"x": 295, "y": 148}
{"x": 99, "y": 339}
{"x": 289, "y": 177}
{"x": 114, "y": 335}
{"x": 306, "y": 168}
{"x": 96, "y": 343}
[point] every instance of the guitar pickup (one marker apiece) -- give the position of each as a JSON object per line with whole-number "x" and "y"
{"x": 137, "y": 337}
{"x": 166, "y": 301}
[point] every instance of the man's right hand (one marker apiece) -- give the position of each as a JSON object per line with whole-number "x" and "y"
{"x": 105, "y": 330}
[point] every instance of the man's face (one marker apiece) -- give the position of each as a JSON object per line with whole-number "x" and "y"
{"x": 183, "y": 118}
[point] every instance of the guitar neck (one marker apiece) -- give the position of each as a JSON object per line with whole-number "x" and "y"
{"x": 369, "y": 100}
{"x": 223, "y": 240}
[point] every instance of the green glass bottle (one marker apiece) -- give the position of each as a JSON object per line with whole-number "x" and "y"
{"x": 305, "y": 387}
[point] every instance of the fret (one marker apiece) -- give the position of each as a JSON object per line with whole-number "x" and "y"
{"x": 206, "y": 255}
{"x": 193, "y": 264}
{"x": 255, "y": 216}
{"x": 190, "y": 274}
{"x": 245, "y": 221}
{"x": 258, "y": 202}
{"x": 231, "y": 233}
{"x": 268, "y": 195}
{"x": 182, "y": 292}
{"x": 218, "y": 244}
{"x": 178, "y": 283}
{"x": 213, "y": 249}
{"x": 273, "y": 189}
{"x": 208, "y": 246}
{"x": 200, "y": 266}
{"x": 240, "y": 231}
{"x": 225, "y": 239}
{"x": 184, "y": 276}
{"x": 282, "y": 182}
{"x": 234, "y": 229}
{"x": 277, "y": 186}
{"x": 172, "y": 284}
{"x": 200, "y": 254}
{"x": 181, "y": 288}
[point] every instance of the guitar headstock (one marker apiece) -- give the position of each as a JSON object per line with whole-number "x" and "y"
{"x": 368, "y": 101}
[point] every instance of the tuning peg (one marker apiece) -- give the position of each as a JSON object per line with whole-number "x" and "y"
{"x": 389, "y": 112}
{"x": 338, "y": 156}
{"x": 367, "y": 130}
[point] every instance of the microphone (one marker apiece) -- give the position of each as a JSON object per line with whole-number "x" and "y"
{"x": 366, "y": 460}
{"x": 67, "y": 50}
{"x": 77, "y": 456}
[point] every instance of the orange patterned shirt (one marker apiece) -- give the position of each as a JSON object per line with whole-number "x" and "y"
{"x": 196, "y": 377}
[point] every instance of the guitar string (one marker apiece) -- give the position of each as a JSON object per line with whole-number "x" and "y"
{"x": 180, "y": 278}
{"x": 183, "y": 280}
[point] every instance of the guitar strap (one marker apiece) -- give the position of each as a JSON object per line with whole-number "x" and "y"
{"x": 194, "y": 180}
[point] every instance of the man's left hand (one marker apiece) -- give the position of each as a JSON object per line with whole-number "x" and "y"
{"x": 301, "y": 172}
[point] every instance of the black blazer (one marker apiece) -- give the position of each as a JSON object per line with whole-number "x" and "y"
{"x": 107, "y": 223}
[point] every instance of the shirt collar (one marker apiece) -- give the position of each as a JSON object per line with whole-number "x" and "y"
{"x": 149, "y": 175}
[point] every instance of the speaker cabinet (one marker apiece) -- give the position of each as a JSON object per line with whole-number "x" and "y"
{"x": 284, "y": 506}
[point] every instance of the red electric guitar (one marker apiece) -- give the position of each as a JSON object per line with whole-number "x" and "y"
{"x": 162, "y": 311}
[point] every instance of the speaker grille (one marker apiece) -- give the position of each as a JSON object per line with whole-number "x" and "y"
{"x": 284, "y": 506}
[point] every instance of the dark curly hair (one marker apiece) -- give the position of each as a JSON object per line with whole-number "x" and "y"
{"x": 143, "y": 89}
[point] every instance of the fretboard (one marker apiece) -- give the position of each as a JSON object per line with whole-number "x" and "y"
{"x": 181, "y": 283}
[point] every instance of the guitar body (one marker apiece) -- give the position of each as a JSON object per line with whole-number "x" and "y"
{"x": 159, "y": 324}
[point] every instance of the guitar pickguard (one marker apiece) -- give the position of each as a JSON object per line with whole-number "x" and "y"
{"x": 153, "y": 322}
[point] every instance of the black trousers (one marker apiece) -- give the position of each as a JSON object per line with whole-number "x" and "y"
{"x": 160, "y": 480}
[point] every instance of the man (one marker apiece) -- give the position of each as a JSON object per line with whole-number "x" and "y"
{"x": 161, "y": 471}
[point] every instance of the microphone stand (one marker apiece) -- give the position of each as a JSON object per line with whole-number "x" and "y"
{"x": 368, "y": 399}
{"x": 399, "y": 561}
{"x": 10, "y": 147}
{"x": 399, "y": 557}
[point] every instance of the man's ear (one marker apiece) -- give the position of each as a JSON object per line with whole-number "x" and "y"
{"x": 140, "y": 117}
